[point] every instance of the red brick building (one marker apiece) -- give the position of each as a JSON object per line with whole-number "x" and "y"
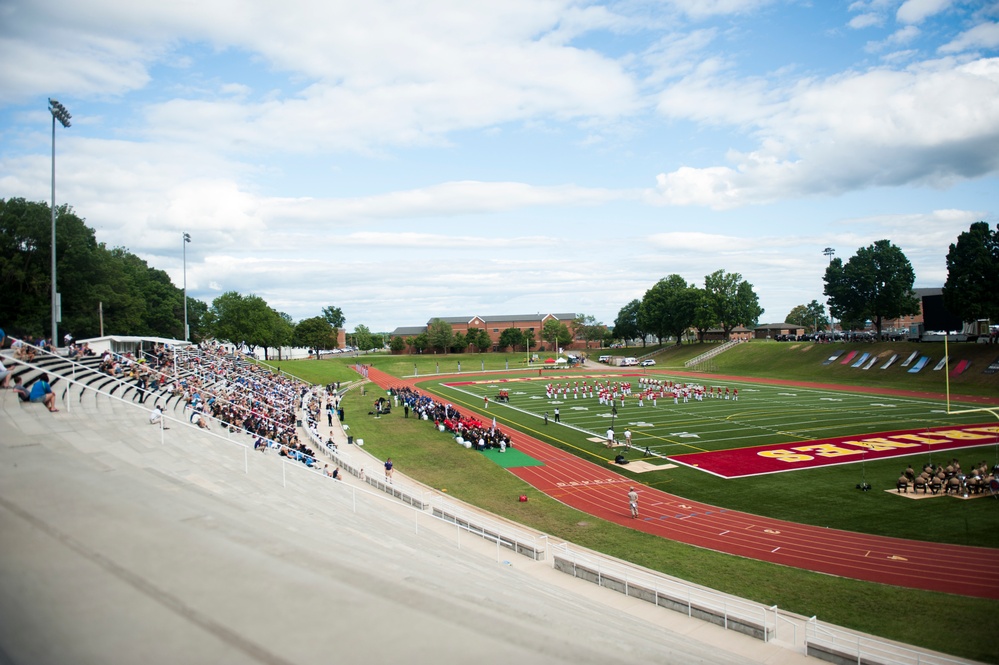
{"x": 495, "y": 325}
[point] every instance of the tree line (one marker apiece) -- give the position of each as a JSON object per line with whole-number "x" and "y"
{"x": 876, "y": 284}
{"x": 672, "y": 307}
{"x": 111, "y": 289}
{"x": 97, "y": 283}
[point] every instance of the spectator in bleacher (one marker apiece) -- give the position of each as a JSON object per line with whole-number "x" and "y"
{"x": 4, "y": 374}
{"x": 41, "y": 391}
{"x": 20, "y": 390}
{"x": 23, "y": 349}
{"x": 156, "y": 416}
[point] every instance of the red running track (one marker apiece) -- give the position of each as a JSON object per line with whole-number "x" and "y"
{"x": 598, "y": 491}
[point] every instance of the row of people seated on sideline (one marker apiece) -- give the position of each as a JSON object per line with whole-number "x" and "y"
{"x": 447, "y": 418}
{"x": 947, "y": 478}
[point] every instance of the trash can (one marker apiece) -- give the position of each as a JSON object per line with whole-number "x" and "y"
{"x": 350, "y": 440}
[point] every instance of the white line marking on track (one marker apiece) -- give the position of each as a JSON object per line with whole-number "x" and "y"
{"x": 774, "y": 550}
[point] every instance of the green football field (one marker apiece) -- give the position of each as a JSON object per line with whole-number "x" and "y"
{"x": 763, "y": 414}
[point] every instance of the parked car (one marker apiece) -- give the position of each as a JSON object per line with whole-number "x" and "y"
{"x": 649, "y": 362}
{"x": 628, "y": 362}
{"x": 604, "y": 359}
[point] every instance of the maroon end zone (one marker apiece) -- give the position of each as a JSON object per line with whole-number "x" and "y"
{"x": 776, "y": 458}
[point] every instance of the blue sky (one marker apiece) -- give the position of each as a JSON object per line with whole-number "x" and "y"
{"x": 404, "y": 160}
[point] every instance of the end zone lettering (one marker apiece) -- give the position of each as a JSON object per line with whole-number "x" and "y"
{"x": 877, "y": 444}
{"x": 777, "y": 458}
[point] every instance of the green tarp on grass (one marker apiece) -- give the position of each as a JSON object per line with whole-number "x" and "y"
{"x": 512, "y": 458}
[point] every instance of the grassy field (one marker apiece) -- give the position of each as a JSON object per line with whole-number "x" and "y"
{"x": 821, "y": 496}
{"x": 825, "y": 496}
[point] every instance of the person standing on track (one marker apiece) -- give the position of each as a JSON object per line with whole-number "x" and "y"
{"x": 633, "y": 501}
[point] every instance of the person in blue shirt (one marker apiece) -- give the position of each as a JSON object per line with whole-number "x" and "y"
{"x": 41, "y": 391}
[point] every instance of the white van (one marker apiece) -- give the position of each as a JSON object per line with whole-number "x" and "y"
{"x": 629, "y": 362}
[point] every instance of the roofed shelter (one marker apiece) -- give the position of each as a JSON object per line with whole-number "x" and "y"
{"x": 134, "y": 344}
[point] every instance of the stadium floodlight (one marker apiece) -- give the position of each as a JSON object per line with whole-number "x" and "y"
{"x": 830, "y": 252}
{"x": 59, "y": 113}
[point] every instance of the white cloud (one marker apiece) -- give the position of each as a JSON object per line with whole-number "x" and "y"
{"x": 904, "y": 35}
{"x": 983, "y": 35}
{"x": 701, "y": 9}
{"x": 362, "y": 76}
{"x": 917, "y": 11}
{"x": 929, "y": 124}
{"x": 866, "y": 20}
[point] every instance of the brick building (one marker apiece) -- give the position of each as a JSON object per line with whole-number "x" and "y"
{"x": 495, "y": 325}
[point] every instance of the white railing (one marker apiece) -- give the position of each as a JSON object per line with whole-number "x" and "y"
{"x": 831, "y": 642}
{"x": 730, "y": 612}
{"x": 503, "y": 533}
{"x": 707, "y": 355}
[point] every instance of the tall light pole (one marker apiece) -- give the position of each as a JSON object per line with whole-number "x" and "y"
{"x": 187, "y": 239}
{"x": 59, "y": 113}
{"x": 830, "y": 252}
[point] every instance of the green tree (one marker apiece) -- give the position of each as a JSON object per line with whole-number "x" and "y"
{"x": 669, "y": 308}
{"x": 459, "y": 343}
{"x": 479, "y": 338}
{"x": 280, "y": 331}
{"x": 440, "y": 335}
{"x": 811, "y": 317}
{"x": 334, "y": 316}
{"x": 529, "y": 340}
{"x": 421, "y": 342}
{"x": 93, "y": 280}
{"x": 361, "y": 338}
{"x": 704, "y": 315}
{"x": 587, "y": 328}
{"x": 315, "y": 333}
{"x": 248, "y": 320}
{"x": 511, "y": 338}
{"x": 973, "y": 273}
{"x": 732, "y": 301}
{"x": 197, "y": 310}
{"x": 397, "y": 344}
{"x": 626, "y": 325}
{"x": 874, "y": 284}
{"x": 556, "y": 333}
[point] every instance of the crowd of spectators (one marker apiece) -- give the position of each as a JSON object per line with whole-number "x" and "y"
{"x": 446, "y": 418}
{"x": 215, "y": 385}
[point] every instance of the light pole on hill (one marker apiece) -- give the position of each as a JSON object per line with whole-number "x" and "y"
{"x": 830, "y": 252}
{"x": 59, "y": 113}
{"x": 187, "y": 335}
